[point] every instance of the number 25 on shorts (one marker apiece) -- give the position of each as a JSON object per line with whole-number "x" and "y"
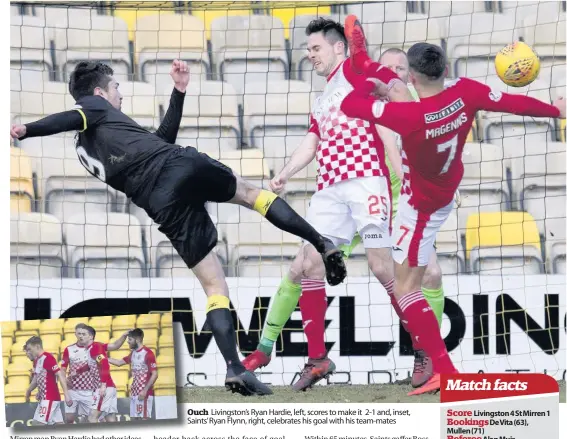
{"x": 374, "y": 205}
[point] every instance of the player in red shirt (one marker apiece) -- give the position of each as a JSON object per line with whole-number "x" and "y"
{"x": 46, "y": 372}
{"x": 433, "y": 133}
{"x": 353, "y": 195}
{"x": 143, "y": 364}
{"x": 104, "y": 402}
{"x": 81, "y": 380}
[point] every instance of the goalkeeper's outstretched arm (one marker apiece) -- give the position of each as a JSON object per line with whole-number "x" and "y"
{"x": 56, "y": 123}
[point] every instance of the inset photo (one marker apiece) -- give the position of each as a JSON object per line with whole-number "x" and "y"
{"x": 89, "y": 370}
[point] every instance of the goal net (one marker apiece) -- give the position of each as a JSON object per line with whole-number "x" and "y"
{"x": 79, "y": 248}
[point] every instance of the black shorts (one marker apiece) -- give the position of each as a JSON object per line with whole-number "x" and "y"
{"x": 187, "y": 180}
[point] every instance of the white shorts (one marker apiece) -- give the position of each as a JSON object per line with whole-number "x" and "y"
{"x": 106, "y": 405}
{"x": 360, "y": 205}
{"x": 414, "y": 233}
{"x": 48, "y": 412}
{"x": 82, "y": 400}
{"x": 141, "y": 409}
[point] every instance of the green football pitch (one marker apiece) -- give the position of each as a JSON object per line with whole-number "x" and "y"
{"x": 373, "y": 393}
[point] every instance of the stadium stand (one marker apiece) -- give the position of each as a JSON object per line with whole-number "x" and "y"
{"x": 503, "y": 243}
{"x": 246, "y": 59}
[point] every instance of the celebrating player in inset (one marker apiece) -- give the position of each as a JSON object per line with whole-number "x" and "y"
{"x": 81, "y": 380}
{"x": 172, "y": 184}
{"x": 143, "y": 364}
{"x": 46, "y": 373}
{"x": 434, "y": 133}
{"x": 105, "y": 401}
{"x": 353, "y": 195}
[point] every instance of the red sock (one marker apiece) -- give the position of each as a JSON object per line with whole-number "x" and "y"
{"x": 424, "y": 327}
{"x": 313, "y": 306}
{"x": 389, "y": 286}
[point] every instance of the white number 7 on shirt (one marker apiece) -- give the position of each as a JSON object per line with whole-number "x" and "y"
{"x": 452, "y": 143}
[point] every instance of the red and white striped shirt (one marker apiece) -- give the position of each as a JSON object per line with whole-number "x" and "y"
{"x": 142, "y": 362}
{"x": 76, "y": 359}
{"x": 348, "y": 147}
{"x": 45, "y": 367}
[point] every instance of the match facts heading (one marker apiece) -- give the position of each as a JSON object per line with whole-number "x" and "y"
{"x": 473, "y": 386}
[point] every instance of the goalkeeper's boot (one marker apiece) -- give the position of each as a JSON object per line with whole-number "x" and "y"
{"x": 256, "y": 360}
{"x": 313, "y": 372}
{"x": 334, "y": 263}
{"x": 245, "y": 383}
{"x": 422, "y": 369}
{"x": 431, "y": 386}
{"x": 354, "y": 33}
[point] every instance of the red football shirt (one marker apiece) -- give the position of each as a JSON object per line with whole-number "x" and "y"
{"x": 45, "y": 368}
{"x": 434, "y": 131}
{"x": 142, "y": 362}
{"x": 98, "y": 353}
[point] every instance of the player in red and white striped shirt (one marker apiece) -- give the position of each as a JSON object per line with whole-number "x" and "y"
{"x": 104, "y": 402}
{"x": 81, "y": 379}
{"x": 143, "y": 364}
{"x": 434, "y": 133}
{"x": 353, "y": 191}
{"x": 46, "y": 372}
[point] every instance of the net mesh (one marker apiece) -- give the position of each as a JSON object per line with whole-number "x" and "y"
{"x": 80, "y": 248}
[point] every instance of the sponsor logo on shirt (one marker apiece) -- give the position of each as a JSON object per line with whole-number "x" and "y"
{"x": 495, "y": 95}
{"x": 445, "y": 112}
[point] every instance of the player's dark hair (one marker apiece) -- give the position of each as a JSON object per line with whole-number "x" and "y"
{"x": 394, "y": 51}
{"x": 87, "y": 76}
{"x": 136, "y": 333}
{"x": 81, "y": 326}
{"x": 427, "y": 59}
{"x": 34, "y": 341}
{"x": 90, "y": 330}
{"x": 331, "y": 30}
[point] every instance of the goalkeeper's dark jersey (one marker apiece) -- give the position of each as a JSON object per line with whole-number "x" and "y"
{"x": 112, "y": 146}
{"x": 117, "y": 150}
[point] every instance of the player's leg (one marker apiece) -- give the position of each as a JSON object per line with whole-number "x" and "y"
{"x": 329, "y": 214}
{"x": 42, "y": 413}
{"x": 432, "y": 289}
{"x": 210, "y": 274}
{"x": 70, "y": 412}
{"x": 284, "y": 304}
{"x": 109, "y": 406}
{"x": 414, "y": 235}
{"x": 148, "y": 406}
{"x": 281, "y": 215}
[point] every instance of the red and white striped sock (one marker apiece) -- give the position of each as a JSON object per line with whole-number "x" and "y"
{"x": 313, "y": 306}
{"x": 389, "y": 286}
{"x": 424, "y": 328}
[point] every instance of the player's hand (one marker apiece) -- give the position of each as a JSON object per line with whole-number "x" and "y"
{"x": 102, "y": 390}
{"x": 559, "y": 103}
{"x": 277, "y": 184}
{"x": 142, "y": 395}
{"x": 17, "y": 131}
{"x": 180, "y": 75}
{"x": 68, "y": 401}
{"x": 28, "y": 394}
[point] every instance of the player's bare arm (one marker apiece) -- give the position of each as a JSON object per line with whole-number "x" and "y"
{"x": 301, "y": 157}
{"x": 115, "y": 362}
{"x": 63, "y": 383}
{"x": 117, "y": 344}
{"x": 31, "y": 388}
{"x": 153, "y": 378}
{"x": 390, "y": 144}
